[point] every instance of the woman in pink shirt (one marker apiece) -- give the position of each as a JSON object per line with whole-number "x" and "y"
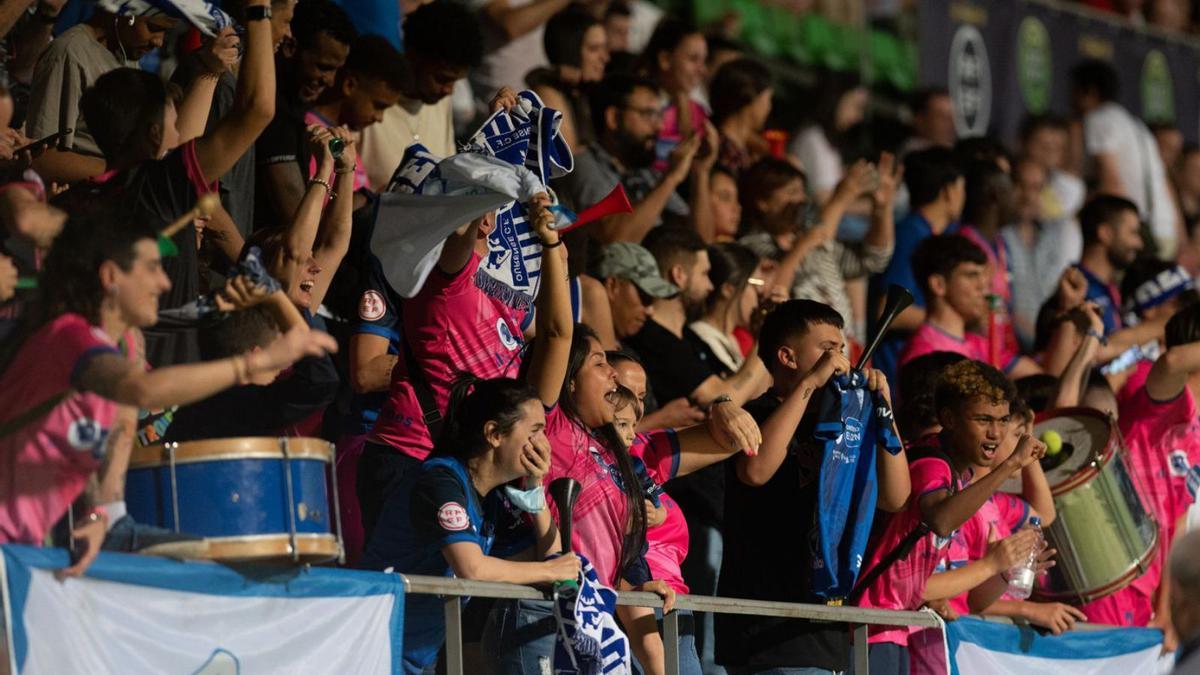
{"x": 676, "y": 59}
{"x": 609, "y": 519}
{"x": 63, "y": 376}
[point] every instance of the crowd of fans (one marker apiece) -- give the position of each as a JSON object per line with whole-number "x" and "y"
{"x": 672, "y": 363}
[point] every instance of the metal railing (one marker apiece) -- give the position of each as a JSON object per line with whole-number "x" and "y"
{"x": 857, "y": 617}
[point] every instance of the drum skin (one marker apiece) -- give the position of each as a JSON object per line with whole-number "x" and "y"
{"x": 235, "y": 494}
{"x": 1104, "y": 536}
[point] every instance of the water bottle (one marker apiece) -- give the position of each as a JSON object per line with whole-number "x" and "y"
{"x": 997, "y": 326}
{"x": 1021, "y": 576}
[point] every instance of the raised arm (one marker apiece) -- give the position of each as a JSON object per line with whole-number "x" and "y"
{"x": 700, "y": 201}
{"x": 893, "y": 477}
{"x": 555, "y": 327}
{"x": 115, "y": 378}
{"x": 516, "y": 21}
{"x": 253, "y": 102}
{"x": 1170, "y": 373}
{"x": 945, "y": 512}
{"x": 647, "y": 212}
{"x": 333, "y": 237}
{"x": 218, "y": 55}
{"x": 780, "y": 427}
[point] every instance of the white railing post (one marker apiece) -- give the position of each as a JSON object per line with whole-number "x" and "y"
{"x": 454, "y": 650}
{"x": 671, "y": 642}
{"x": 861, "y": 658}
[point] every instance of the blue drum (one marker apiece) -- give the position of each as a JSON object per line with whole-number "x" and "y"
{"x": 249, "y": 498}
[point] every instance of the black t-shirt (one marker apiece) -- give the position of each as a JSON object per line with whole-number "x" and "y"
{"x": 675, "y": 367}
{"x": 159, "y": 191}
{"x": 767, "y": 556}
{"x": 254, "y": 410}
{"x": 284, "y": 141}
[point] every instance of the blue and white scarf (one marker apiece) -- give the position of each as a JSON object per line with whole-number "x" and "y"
{"x": 589, "y": 641}
{"x": 530, "y": 136}
{"x": 205, "y": 16}
{"x": 428, "y": 198}
{"x": 853, "y": 423}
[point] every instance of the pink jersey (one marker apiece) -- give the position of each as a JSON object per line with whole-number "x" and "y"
{"x": 1004, "y": 512}
{"x": 667, "y": 544}
{"x": 48, "y": 461}
{"x": 929, "y": 338}
{"x": 360, "y": 173}
{"x": 1164, "y": 460}
{"x": 671, "y": 135}
{"x": 902, "y": 586}
{"x": 601, "y": 516}
{"x": 452, "y": 327}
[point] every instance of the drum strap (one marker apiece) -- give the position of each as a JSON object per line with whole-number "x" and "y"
{"x": 906, "y": 544}
{"x": 35, "y": 413}
{"x": 429, "y": 409}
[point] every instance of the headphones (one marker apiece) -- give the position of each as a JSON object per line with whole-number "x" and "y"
{"x": 117, "y": 35}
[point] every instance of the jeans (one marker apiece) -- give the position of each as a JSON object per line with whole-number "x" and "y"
{"x": 380, "y": 469}
{"x": 887, "y": 657}
{"x": 701, "y": 570}
{"x": 128, "y": 536}
{"x": 519, "y": 638}
{"x": 689, "y": 661}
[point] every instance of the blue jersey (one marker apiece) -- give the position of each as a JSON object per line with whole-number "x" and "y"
{"x": 433, "y": 508}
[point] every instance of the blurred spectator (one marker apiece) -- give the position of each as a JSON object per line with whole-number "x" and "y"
{"x": 1172, "y": 15}
{"x": 616, "y": 26}
{"x": 1044, "y": 140}
{"x": 1185, "y": 601}
{"x": 675, "y": 58}
{"x": 71, "y": 64}
{"x": 932, "y": 121}
{"x": 305, "y": 68}
{"x": 512, "y": 42}
{"x": 1111, "y": 243}
{"x": 727, "y": 210}
{"x": 576, "y": 46}
{"x": 731, "y": 303}
{"x": 424, "y": 113}
{"x": 841, "y": 103}
{"x": 627, "y": 119}
{"x": 740, "y": 95}
{"x": 1122, "y": 155}
{"x": 1038, "y": 248}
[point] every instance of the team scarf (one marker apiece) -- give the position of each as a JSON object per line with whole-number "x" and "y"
{"x": 428, "y": 198}
{"x": 207, "y": 18}
{"x": 588, "y": 640}
{"x": 529, "y": 135}
{"x": 853, "y": 422}
{"x": 250, "y": 266}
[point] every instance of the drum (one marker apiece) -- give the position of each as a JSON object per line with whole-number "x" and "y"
{"x": 1104, "y": 536}
{"x": 260, "y": 499}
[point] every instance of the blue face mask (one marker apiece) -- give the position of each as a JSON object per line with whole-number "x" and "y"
{"x": 529, "y": 501}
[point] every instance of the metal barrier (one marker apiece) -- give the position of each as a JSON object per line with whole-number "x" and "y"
{"x": 858, "y": 618}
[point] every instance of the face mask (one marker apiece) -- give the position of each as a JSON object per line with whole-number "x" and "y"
{"x": 529, "y": 501}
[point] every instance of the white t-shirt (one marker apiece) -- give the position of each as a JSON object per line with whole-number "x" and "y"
{"x": 1110, "y": 129}
{"x": 820, "y": 160}
{"x": 505, "y": 62}
{"x": 407, "y": 122}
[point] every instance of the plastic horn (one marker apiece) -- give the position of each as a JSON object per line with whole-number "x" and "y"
{"x": 898, "y": 298}
{"x": 564, "y": 492}
{"x": 205, "y": 205}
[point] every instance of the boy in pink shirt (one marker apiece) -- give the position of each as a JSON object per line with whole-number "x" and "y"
{"x": 972, "y": 401}
{"x": 1159, "y": 424}
{"x": 952, "y": 273}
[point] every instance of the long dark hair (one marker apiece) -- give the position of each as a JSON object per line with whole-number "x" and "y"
{"x": 631, "y": 546}
{"x": 732, "y": 264}
{"x": 473, "y": 403}
{"x": 69, "y": 281}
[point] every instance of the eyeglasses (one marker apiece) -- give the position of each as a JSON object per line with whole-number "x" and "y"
{"x": 648, "y": 114}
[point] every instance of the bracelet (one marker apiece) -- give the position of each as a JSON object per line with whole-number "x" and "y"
{"x": 340, "y": 172}
{"x": 554, "y": 245}
{"x": 1092, "y": 332}
{"x": 723, "y": 398}
{"x": 97, "y": 513}
{"x": 322, "y": 182}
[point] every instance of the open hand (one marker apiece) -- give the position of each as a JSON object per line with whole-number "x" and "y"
{"x": 535, "y": 459}
{"x": 88, "y": 538}
{"x": 1056, "y": 617}
{"x": 734, "y": 428}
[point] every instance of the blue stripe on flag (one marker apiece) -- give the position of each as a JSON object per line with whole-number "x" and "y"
{"x": 1024, "y": 641}
{"x": 204, "y": 578}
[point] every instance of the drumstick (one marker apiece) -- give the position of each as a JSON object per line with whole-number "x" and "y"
{"x": 205, "y": 205}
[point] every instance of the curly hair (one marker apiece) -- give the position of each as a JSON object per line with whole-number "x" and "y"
{"x": 967, "y": 381}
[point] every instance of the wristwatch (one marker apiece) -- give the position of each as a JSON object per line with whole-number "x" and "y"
{"x": 258, "y": 13}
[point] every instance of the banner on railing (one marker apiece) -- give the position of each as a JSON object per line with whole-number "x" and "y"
{"x": 1004, "y": 59}
{"x": 140, "y": 614}
{"x": 978, "y": 647}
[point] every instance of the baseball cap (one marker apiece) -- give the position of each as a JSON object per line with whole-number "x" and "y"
{"x": 626, "y": 260}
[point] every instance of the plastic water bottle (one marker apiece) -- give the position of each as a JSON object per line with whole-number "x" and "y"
{"x": 1020, "y": 577}
{"x": 997, "y": 327}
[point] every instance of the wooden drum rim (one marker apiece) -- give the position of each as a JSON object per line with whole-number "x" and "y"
{"x": 223, "y": 449}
